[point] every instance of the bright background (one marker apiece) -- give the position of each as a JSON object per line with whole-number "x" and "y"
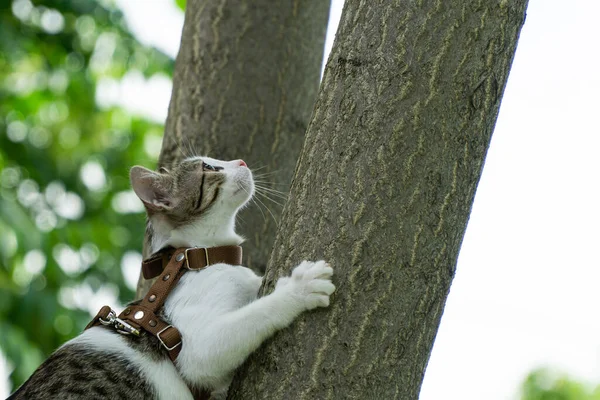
{"x": 526, "y": 289}
{"x": 525, "y": 293}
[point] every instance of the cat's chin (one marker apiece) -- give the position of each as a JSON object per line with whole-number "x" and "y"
{"x": 239, "y": 200}
{"x": 243, "y": 191}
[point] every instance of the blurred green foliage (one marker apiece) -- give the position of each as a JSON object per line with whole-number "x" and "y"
{"x": 181, "y": 4}
{"x": 67, "y": 218}
{"x": 543, "y": 384}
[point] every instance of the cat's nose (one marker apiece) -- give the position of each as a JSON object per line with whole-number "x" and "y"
{"x": 242, "y": 163}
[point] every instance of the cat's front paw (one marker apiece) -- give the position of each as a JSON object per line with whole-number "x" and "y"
{"x": 310, "y": 284}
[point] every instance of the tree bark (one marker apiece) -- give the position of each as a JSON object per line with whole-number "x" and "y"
{"x": 383, "y": 190}
{"x": 244, "y": 85}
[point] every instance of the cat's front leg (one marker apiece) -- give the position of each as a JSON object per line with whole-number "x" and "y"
{"x": 224, "y": 345}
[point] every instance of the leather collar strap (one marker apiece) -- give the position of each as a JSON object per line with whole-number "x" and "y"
{"x": 197, "y": 257}
{"x": 145, "y": 314}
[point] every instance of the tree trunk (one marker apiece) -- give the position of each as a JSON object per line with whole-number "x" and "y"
{"x": 383, "y": 190}
{"x": 244, "y": 85}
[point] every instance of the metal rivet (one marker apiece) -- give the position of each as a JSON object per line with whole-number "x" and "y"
{"x": 127, "y": 311}
{"x": 166, "y": 277}
{"x": 138, "y": 315}
{"x": 179, "y": 257}
{"x": 152, "y": 298}
{"x": 152, "y": 323}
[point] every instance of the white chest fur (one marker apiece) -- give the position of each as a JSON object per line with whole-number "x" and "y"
{"x": 209, "y": 294}
{"x": 197, "y": 307}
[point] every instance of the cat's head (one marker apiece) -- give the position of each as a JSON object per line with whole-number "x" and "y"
{"x": 197, "y": 191}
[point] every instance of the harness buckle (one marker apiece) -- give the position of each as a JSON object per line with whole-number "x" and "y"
{"x": 124, "y": 328}
{"x": 162, "y": 342}
{"x": 187, "y": 260}
{"x": 120, "y": 326}
{"x": 110, "y": 318}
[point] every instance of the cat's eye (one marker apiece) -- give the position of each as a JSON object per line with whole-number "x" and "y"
{"x": 163, "y": 170}
{"x": 209, "y": 167}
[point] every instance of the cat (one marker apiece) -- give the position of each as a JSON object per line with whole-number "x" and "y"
{"x": 216, "y": 309}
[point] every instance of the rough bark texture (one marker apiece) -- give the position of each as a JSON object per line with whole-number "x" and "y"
{"x": 245, "y": 81}
{"x": 383, "y": 190}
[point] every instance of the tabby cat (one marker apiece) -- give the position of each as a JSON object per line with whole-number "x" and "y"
{"x": 216, "y": 309}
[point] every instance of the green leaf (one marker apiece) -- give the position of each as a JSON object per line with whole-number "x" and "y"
{"x": 181, "y": 4}
{"x": 543, "y": 384}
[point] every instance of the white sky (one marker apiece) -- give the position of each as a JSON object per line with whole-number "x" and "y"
{"x": 525, "y": 293}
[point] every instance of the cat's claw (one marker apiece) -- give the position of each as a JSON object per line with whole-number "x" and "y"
{"x": 310, "y": 283}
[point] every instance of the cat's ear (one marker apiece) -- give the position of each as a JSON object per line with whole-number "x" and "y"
{"x": 152, "y": 188}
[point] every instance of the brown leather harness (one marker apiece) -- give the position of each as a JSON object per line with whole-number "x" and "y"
{"x": 169, "y": 266}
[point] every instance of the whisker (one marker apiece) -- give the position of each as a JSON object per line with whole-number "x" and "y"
{"x": 181, "y": 150}
{"x": 272, "y": 191}
{"x": 270, "y": 199}
{"x": 265, "y": 173}
{"x": 242, "y": 187}
{"x": 254, "y": 201}
{"x": 268, "y": 209}
{"x": 267, "y": 180}
{"x": 190, "y": 147}
{"x": 259, "y": 208}
{"x": 268, "y": 184}
{"x": 272, "y": 194}
{"x": 259, "y": 168}
{"x": 276, "y": 195}
{"x": 275, "y": 199}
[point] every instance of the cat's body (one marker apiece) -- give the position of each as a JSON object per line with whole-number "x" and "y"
{"x": 215, "y": 309}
